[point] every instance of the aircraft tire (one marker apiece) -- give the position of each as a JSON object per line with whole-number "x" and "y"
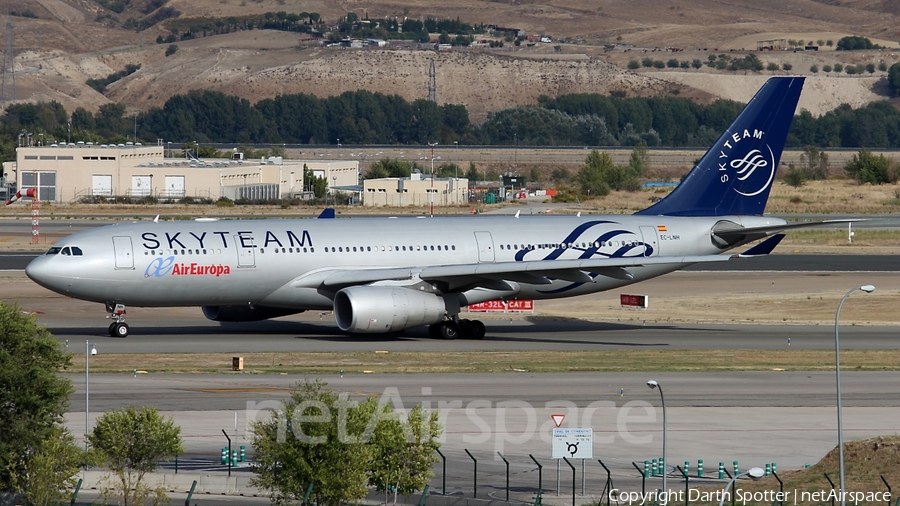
{"x": 112, "y": 329}
{"x": 476, "y": 330}
{"x": 120, "y": 329}
{"x": 449, "y": 330}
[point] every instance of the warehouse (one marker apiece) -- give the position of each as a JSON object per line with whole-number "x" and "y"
{"x": 84, "y": 172}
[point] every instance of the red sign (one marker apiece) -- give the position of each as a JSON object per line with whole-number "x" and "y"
{"x": 634, "y": 300}
{"x": 520, "y": 305}
{"x": 499, "y": 305}
{"x": 558, "y": 419}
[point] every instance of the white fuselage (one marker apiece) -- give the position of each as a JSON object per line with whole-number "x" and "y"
{"x": 280, "y": 263}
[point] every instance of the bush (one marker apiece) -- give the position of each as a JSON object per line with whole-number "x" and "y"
{"x": 865, "y": 167}
{"x": 894, "y": 78}
{"x": 672, "y": 63}
{"x": 814, "y": 69}
{"x": 171, "y": 50}
{"x": 786, "y": 66}
{"x": 772, "y": 66}
{"x": 224, "y": 202}
{"x": 634, "y": 64}
{"x": 795, "y": 177}
{"x": 647, "y": 62}
{"x": 658, "y": 64}
{"x": 826, "y": 68}
{"x": 838, "y": 67}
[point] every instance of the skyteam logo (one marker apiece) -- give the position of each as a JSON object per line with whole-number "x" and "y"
{"x": 160, "y": 267}
{"x": 754, "y": 171}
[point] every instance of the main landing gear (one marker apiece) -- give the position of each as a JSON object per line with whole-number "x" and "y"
{"x": 118, "y": 328}
{"x": 453, "y": 329}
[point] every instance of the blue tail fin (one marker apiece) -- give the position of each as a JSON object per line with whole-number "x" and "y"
{"x": 736, "y": 174}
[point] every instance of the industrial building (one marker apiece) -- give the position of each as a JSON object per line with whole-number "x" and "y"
{"x": 416, "y": 190}
{"x": 72, "y": 172}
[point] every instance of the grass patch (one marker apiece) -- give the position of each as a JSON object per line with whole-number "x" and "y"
{"x": 500, "y": 361}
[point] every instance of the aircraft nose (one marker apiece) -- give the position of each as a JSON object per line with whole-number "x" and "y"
{"x": 40, "y": 271}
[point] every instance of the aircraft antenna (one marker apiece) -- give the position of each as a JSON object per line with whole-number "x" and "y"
{"x": 8, "y": 87}
{"x": 432, "y": 84}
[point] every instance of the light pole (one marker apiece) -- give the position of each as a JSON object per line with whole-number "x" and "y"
{"x": 654, "y": 384}
{"x": 837, "y": 376}
{"x": 334, "y": 191}
{"x": 754, "y": 473}
{"x": 432, "y": 177}
{"x": 87, "y": 389}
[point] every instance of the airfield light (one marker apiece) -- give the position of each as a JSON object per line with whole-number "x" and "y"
{"x": 754, "y": 473}
{"x": 654, "y": 384}
{"x": 837, "y": 377}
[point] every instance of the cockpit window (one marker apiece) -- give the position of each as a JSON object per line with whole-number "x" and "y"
{"x": 66, "y": 252}
{"x": 53, "y": 251}
{"x": 76, "y": 251}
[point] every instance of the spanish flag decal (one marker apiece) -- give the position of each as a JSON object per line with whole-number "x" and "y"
{"x": 661, "y": 228}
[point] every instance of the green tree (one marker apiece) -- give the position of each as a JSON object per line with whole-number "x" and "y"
{"x": 172, "y": 49}
{"x": 403, "y": 451}
{"x": 35, "y": 450}
{"x": 317, "y": 185}
{"x": 130, "y": 443}
{"x": 894, "y": 78}
{"x": 865, "y": 167}
{"x": 795, "y": 176}
{"x": 314, "y": 437}
{"x": 535, "y": 175}
{"x": 816, "y": 163}
{"x": 472, "y": 174}
{"x": 591, "y": 177}
{"x": 48, "y": 474}
{"x": 640, "y": 158}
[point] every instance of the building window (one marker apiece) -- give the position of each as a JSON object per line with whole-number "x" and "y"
{"x": 45, "y": 182}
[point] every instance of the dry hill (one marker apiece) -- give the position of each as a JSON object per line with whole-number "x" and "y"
{"x": 71, "y": 41}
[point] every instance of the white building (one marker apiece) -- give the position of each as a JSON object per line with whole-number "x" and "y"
{"x": 416, "y": 190}
{"x": 69, "y": 173}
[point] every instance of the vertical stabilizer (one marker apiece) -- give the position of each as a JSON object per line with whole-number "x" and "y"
{"x": 736, "y": 173}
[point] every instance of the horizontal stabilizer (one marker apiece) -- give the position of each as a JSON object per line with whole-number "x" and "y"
{"x": 763, "y": 248}
{"x": 778, "y": 228}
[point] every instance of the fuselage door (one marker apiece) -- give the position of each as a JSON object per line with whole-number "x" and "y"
{"x": 485, "y": 246}
{"x": 651, "y": 240}
{"x": 124, "y": 252}
{"x": 246, "y": 251}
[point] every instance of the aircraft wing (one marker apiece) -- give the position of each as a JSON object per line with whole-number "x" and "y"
{"x": 494, "y": 275}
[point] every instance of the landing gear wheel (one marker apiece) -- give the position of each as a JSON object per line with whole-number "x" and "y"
{"x": 119, "y": 329}
{"x": 112, "y": 329}
{"x": 434, "y": 331}
{"x": 475, "y": 330}
{"x": 449, "y": 330}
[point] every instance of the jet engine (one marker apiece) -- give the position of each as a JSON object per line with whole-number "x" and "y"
{"x": 245, "y": 313}
{"x": 380, "y": 309}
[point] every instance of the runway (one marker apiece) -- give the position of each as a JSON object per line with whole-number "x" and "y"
{"x": 752, "y": 417}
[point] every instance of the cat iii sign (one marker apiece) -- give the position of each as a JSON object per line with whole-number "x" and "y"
{"x": 573, "y": 443}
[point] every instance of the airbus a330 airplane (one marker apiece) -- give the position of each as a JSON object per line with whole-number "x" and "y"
{"x": 386, "y": 274}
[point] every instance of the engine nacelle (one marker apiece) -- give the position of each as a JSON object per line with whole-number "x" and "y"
{"x": 245, "y": 313}
{"x": 379, "y": 309}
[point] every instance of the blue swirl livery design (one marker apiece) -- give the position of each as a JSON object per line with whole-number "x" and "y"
{"x": 735, "y": 175}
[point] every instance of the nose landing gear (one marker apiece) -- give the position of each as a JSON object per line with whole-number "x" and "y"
{"x": 118, "y": 328}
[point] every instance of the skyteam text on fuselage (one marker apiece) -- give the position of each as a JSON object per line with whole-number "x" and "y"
{"x": 383, "y": 275}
